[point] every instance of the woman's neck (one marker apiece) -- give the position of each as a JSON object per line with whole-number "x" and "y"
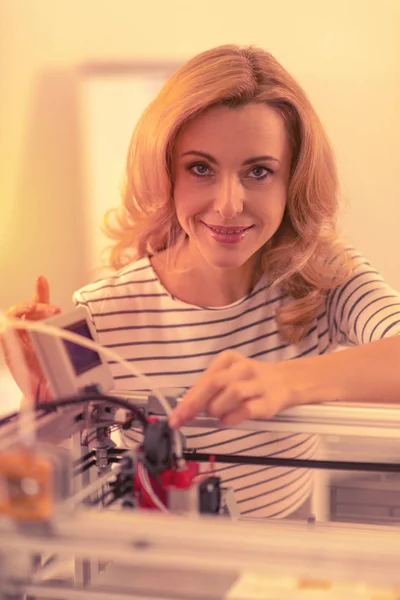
{"x": 203, "y": 285}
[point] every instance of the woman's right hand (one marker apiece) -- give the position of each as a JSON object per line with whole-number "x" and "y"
{"x": 38, "y": 309}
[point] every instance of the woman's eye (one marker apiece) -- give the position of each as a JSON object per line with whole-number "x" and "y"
{"x": 259, "y": 172}
{"x": 199, "y": 169}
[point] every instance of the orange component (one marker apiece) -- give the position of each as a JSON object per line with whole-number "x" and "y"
{"x": 26, "y": 485}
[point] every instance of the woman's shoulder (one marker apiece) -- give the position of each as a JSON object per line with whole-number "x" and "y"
{"x": 355, "y": 266}
{"x": 138, "y": 274}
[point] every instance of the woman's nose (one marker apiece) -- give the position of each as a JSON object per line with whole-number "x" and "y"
{"x": 228, "y": 201}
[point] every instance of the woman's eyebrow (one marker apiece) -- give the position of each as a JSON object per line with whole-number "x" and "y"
{"x": 213, "y": 160}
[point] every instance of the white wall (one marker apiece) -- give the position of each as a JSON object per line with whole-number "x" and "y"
{"x": 346, "y": 53}
{"x": 111, "y": 103}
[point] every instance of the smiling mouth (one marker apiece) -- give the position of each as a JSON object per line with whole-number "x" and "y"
{"x": 227, "y": 230}
{"x": 227, "y": 235}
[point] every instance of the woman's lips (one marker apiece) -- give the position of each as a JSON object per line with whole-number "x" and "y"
{"x": 228, "y": 235}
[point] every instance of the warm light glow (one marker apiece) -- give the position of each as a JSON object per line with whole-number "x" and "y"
{"x": 345, "y": 56}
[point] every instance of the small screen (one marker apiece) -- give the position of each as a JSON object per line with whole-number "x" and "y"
{"x": 82, "y": 359}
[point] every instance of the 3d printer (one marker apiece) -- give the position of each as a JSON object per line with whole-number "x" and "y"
{"x": 90, "y": 500}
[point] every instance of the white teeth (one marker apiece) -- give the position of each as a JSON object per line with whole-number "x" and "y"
{"x": 228, "y": 232}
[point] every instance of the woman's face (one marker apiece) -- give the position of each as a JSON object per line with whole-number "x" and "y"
{"x": 231, "y": 169}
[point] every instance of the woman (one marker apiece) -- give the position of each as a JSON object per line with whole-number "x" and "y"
{"x": 228, "y": 264}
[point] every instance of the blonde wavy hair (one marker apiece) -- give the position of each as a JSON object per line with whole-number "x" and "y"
{"x": 305, "y": 256}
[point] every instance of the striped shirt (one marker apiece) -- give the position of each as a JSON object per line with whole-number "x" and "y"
{"x": 172, "y": 343}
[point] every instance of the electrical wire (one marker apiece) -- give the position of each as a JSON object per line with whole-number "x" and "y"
{"x": 95, "y": 397}
{"x": 84, "y": 458}
{"x": 94, "y": 437}
{"x": 16, "y": 414}
{"x": 335, "y": 465}
{"x": 145, "y": 483}
{"x": 8, "y": 418}
{"x": 41, "y": 327}
{"x": 84, "y": 468}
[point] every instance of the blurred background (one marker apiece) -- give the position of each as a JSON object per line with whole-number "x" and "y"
{"x": 68, "y": 104}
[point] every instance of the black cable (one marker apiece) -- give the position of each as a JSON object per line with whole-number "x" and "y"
{"x": 110, "y": 502}
{"x": 92, "y": 463}
{"x": 69, "y": 401}
{"x": 84, "y": 458}
{"x": 14, "y": 415}
{"x": 84, "y": 468}
{"x": 94, "y": 397}
{"x": 8, "y": 418}
{"x": 118, "y": 489}
{"x": 335, "y": 465}
{"x": 192, "y": 455}
{"x": 100, "y": 499}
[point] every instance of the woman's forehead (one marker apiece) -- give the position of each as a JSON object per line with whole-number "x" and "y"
{"x": 244, "y": 131}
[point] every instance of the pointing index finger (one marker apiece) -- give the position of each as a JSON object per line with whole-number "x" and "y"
{"x": 42, "y": 291}
{"x": 200, "y": 395}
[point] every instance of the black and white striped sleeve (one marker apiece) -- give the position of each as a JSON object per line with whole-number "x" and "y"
{"x": 363, "y": 308}
{"x": 78, "y": 299}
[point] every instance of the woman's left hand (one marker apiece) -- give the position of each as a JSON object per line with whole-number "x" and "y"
{"x": 235, "y": 388}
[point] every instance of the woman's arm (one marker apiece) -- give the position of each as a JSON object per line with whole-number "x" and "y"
{"x": 235, "y": 388}
{"x": 363, "y": 313}
{"x": 366, "y": 373}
